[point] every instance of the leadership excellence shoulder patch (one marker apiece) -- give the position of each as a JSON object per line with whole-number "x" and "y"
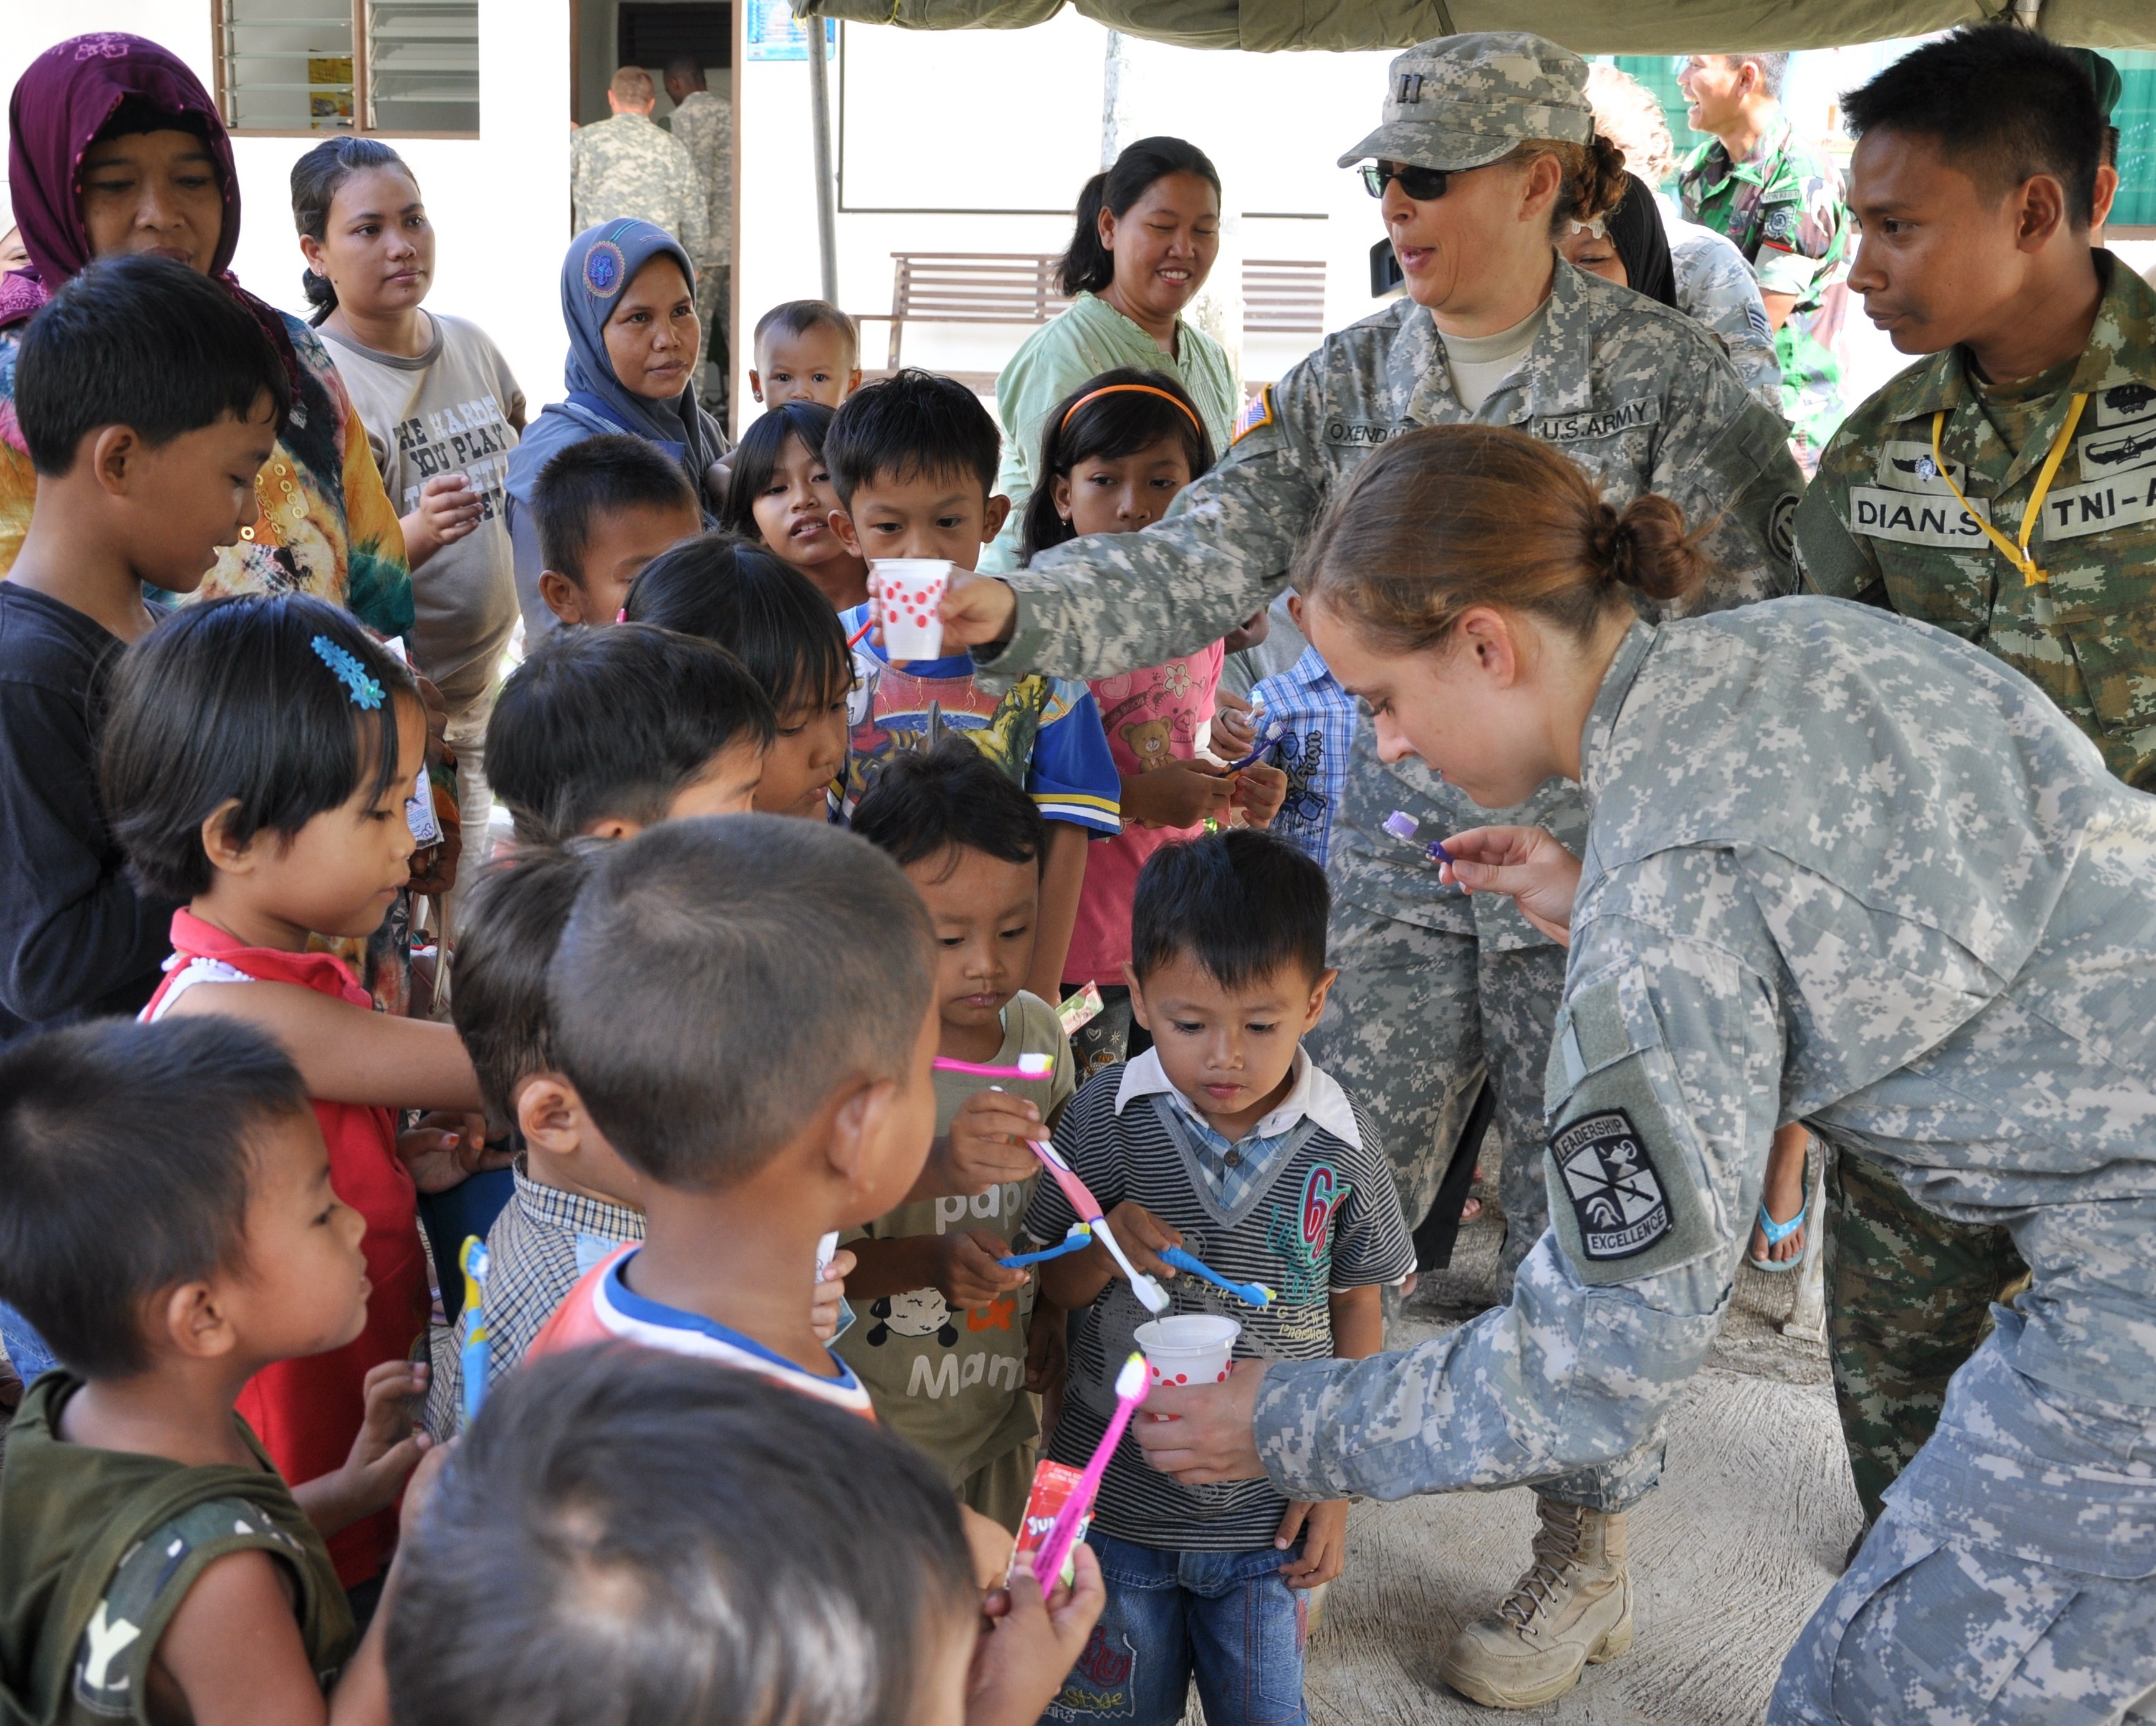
{"x": 1256, "y": 411}
{"x": 1617, "y": 1196}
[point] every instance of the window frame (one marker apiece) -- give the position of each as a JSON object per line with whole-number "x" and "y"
{"x": 362, "y": 100}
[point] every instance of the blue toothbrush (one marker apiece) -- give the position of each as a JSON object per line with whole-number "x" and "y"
{"x": 1250, "y": 1294}
{"x": 474, "y": 1261}
{"x": 1080, "y": 1237}
{"x": 1272, "y": 732}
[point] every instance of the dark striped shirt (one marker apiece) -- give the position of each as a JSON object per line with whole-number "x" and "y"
{"x": 1329, "y": 1219}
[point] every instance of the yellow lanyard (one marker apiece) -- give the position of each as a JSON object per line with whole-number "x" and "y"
{"x": 2031, "y": 512}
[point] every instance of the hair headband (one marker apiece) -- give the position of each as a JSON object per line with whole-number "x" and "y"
{"x": 1137, "y": 389}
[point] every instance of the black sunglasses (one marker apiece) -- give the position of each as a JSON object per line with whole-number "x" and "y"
{"x": 1422, "y": 184}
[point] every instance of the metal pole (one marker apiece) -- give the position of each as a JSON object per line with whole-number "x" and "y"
{"x": 1112, "y": 99}
{"x": 819, "y": 124}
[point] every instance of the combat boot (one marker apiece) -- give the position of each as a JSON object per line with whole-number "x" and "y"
{"x": 1573, "y": 1608}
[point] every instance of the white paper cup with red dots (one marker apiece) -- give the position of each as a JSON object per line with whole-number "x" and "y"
{"x": 1189, "y": 1348}
{"x": 910, "y": 598}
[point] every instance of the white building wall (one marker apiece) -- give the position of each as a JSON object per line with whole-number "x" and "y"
{"x": 988, "y": 137}
{"x": 500, "y": 202}
{"x": 982, "y": 139}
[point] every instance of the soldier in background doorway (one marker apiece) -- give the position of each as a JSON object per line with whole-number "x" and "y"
{"x": 625, "y": 168}
{"x": 703, "y": 124}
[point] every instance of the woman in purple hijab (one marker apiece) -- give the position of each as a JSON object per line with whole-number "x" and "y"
{"x": 114, "y": 145}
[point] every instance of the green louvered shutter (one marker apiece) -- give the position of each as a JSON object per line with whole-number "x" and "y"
{"x": 2135, "y": 117}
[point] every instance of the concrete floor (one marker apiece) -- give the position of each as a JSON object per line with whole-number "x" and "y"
{"x": 1729, "y": 1556}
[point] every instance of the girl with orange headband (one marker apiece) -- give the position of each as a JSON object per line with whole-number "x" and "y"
{"x": 1114, "y": 454}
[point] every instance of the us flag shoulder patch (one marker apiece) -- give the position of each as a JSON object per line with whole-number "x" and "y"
{"x": 1256, "y": 411}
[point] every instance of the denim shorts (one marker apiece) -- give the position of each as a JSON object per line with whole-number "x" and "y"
{"x": 1225, "y": 1618}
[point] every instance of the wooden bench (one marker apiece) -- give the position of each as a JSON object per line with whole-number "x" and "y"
{"x": 968, "y": 288}
{"x": 1281, "y": 296}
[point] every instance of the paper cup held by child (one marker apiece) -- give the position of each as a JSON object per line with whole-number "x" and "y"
{"x": 1189, "y": 1348}
{"x": 910, "y": 594}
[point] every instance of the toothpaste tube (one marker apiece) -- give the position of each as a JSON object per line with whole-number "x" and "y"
{"x": 1081, "y": 1009}
{"x": 1052, "y": 1486}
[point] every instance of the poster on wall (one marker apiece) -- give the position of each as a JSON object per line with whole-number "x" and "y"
{"x": 774, "y": 33}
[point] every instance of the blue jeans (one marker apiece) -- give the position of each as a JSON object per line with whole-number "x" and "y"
{"x": 27, "y": 1351}
{"x": 1226, "y": 1617}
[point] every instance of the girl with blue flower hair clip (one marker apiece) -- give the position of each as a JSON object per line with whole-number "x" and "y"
{"x": 256, "y": 760}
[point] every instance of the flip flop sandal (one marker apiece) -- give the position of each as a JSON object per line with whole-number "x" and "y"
{"x": 1776, "y": 1233}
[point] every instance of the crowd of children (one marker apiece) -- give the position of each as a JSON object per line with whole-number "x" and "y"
{"x": 760, "y": 1092}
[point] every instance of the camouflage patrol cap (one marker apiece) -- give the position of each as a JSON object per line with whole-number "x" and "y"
{"x": 1458, "y": 102}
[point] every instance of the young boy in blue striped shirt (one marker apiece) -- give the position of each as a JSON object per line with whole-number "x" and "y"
{"x": 1319, "y": 716}
{"x": 1225, "y": 1139}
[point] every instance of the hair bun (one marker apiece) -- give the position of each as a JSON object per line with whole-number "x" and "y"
{"x": 1604, "y": 553}
{"x": 1645, "y": 546}
{"x": 1605, "y": 185}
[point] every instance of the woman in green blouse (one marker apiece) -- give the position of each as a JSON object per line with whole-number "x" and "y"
{"x": 1148, "y": 230}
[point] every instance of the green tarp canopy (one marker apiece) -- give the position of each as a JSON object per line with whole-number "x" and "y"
{"x": 1584, "y": 26}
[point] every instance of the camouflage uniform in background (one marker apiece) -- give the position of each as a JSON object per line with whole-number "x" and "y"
{"x": 1843, "y": 867}
{"x": 1715, "y": 289}
{"x": 1783, "y": 207}
{"x": 703, "y": 124}
{"x": 1909, "y": 1297}
{"x": 1643, "y": 399}
{"x": 1436, "y": 989}
{"x": 627, "y": 167}
{"x": 1909, "y": 1292}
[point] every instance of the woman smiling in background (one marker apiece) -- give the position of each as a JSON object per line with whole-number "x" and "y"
{"x": 1148, "y": 230}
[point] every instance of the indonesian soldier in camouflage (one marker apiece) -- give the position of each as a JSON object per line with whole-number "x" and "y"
{"x": 1929, "y": 928}
{"x": 1435, "y": 988}
{"x": 1882, "y": 522}
{"x": 1782, "y": 206}
{"x": 1909, "y": 1292}
{"x": 627, "y": 167}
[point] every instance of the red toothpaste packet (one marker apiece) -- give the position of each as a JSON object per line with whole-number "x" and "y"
{"x": 1053, "y": 1483}
{"x": 1080, "y": 1009}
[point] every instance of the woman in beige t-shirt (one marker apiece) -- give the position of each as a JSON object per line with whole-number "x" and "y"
{"x": 442, "y": 412}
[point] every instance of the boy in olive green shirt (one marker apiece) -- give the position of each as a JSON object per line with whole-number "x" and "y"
{"x": 949, "y": 1342}
{"x": 168, "y": 1253}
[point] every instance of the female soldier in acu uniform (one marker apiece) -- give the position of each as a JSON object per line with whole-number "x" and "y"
{"x": 1838, "y": 865}
{"x": 1487, "y": 143}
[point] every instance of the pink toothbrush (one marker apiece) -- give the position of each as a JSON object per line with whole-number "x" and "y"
{"x": 1029, "y": 1066}
{"x": 1130, "y": 1392}
{"x": 1088, "y": 1208}
{"x": 1037, "y": 1066}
